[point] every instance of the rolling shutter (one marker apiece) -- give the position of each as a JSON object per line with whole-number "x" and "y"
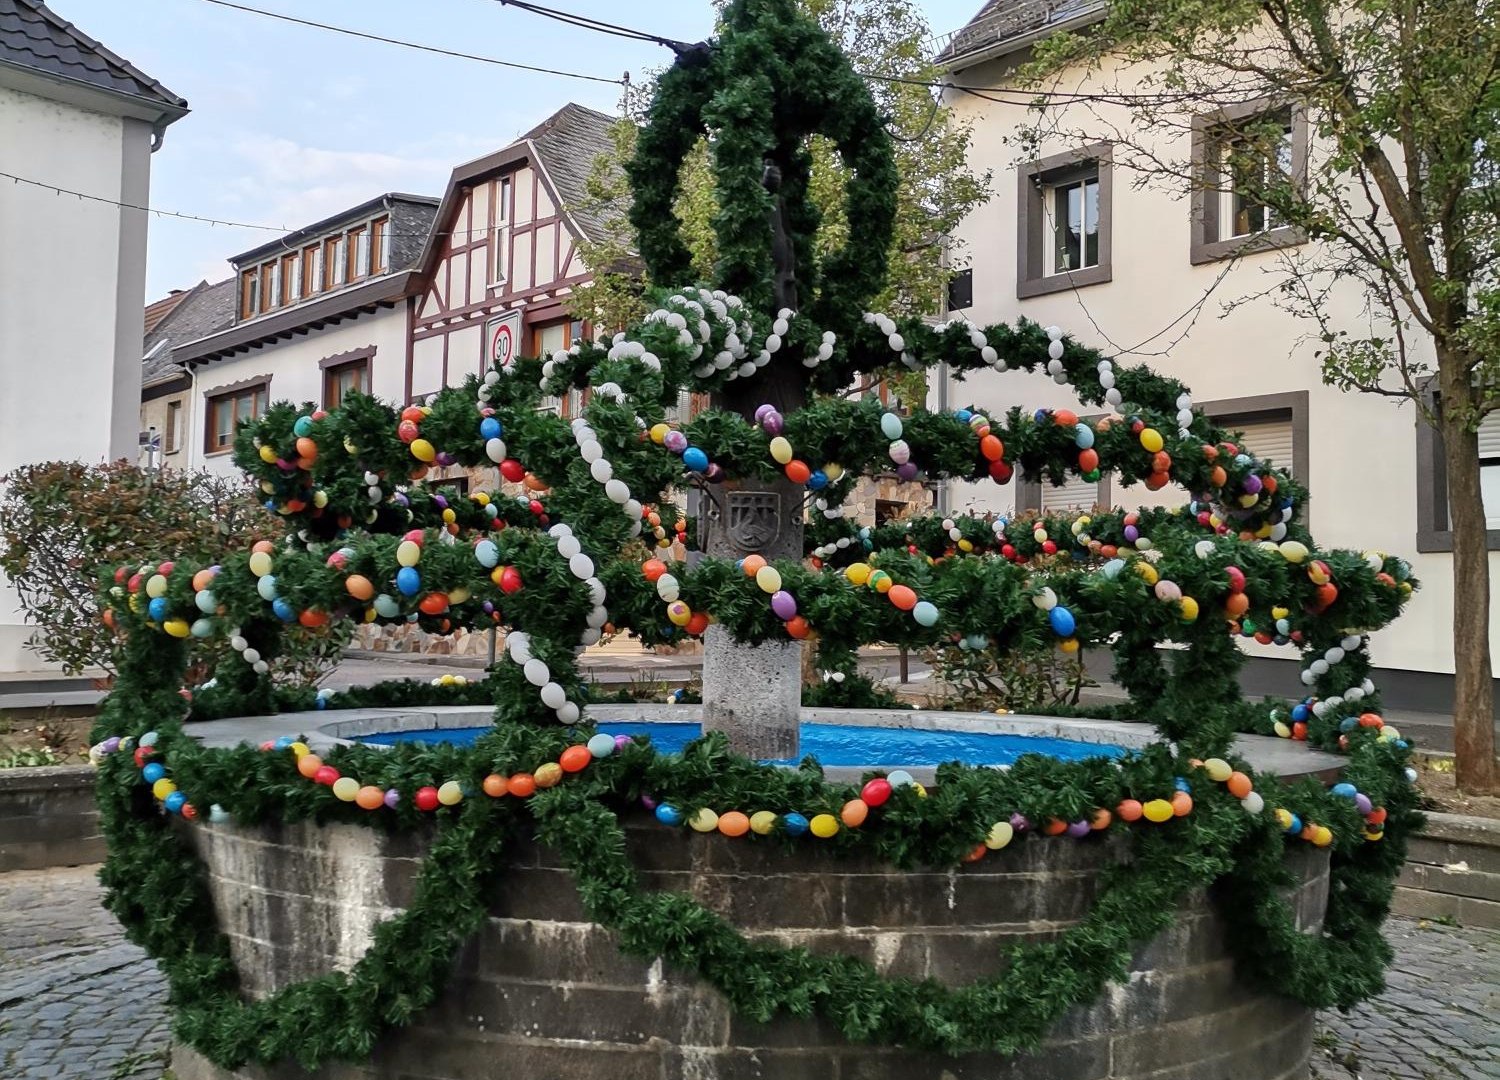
{"x": 1489, "y": 438}
{"x": 1271, "y": 439}
{"x": 1076, "y": 494}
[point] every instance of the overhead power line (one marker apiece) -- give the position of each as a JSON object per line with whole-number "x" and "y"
{"x": 412, "y": 44}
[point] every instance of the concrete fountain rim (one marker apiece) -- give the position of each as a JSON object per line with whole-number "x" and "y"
{"x": 325, "y": 730}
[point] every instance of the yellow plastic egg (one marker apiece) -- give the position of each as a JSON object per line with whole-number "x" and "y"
{"x": 768, "y": 578}
{"x": 1284, "y": 817}
{"x": 451, "y": 793}
{"x": 1217, "y": 769}
{"x": 1148, "y": 572}
{"x": 1157, "y": 810}
{"x": 678, "y": 613}
{"x": 457, "y": 595}
{"x": 1187, "y": 607}
{"x": 268, "y": 455}
{"x": 162, "y": 788}
{"x": 966, "y": 545}
{"x": 177, "y": 628}
{"x": 548, "y": 775}
{"x": 704, "y": 821}
{"x": 423, "y": 450}
{"x": 345, "y": 788}
{"x": 1281, "y": 729}
{"x": 1068, "y": 645}
{"x": 659, "y": 433}
{"x": 823, "y": 826}
{"x": 833, "y": 470}
{"x": 260, "y": 563}
{"x": 1279, "y": 612}
{"x": 781, "y": 450}
{"x": 857, "y": 573}
{"x": 1151, "y": 440}
{"x": 1322, "y": 836}
{"x": 1001, "y": 833}
{"x": 299, "y": 748}
{"x": 762, "y": 822}
{"x": 1293, "y": 551}
{"x": 408, "y": 553}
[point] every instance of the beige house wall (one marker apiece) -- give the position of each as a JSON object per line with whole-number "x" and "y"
{"x": 1361, "y": 450}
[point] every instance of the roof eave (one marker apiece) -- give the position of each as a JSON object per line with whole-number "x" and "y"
{"x": 70, "y": 91}
{"x": 1007, "y": 46}
{"x": 389, "y": 290}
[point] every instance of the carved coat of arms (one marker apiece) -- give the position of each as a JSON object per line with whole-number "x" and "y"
{"x": 754, "y": 518}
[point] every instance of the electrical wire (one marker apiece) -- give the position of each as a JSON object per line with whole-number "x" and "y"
{"x": 412, "y": 44}
{"x": 585, "y": 22}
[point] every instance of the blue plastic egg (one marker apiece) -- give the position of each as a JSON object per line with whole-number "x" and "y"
{"x": 489, "y": 428}
{"x": 153, "y": 772}
{"x": 387, "y": 607}
{"x": 818, "y": 480}
{"x": 202, "y": 628}
{"x": 149, "y": 739}
{"x": 266, "y": 587}
{"x": 695, "y": 459}
{"x": 1300, "y": 712}
{"x": 794, "y": 823}
{"x": 320, "y": 703}
{"x": 487, "y": 554}
{"x": 1063, "y": 623}
{"x": 283, "y": 611}
{"x": 925, "y": 613}
{"x": 157, "y": 609}
{"x": 1083, "y": 437}
{"x": 174, "y": 802}
{"x": 601, "y": 745}
{"x": 283, "y": 742}
{"x": 303, "y": 426}
{"x": 1295, "y": 826}
{"x": 407, "y": 580}
{"x": 964, "y": 414}
{"x": 1182, "y": 785}
{"x": 206, "y": 602}
{"x": 1346, "y": 790}
{"x": 668, "y": 815}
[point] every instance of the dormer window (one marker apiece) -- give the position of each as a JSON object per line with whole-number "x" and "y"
{"x": 352, "y": 254}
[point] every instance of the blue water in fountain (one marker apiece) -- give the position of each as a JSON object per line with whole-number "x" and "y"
{"x": 831, "y": 744}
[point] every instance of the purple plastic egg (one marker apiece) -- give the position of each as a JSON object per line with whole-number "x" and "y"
{"x": 111, "y": 744}
{"x": 648, "y": 802}
{"x": 761, "y": 410}
{"x": 1362, "y": 803}
{"x": 286, "y": 466}
{"x": 1132, "y": 534}
{"x": 489, "y": 608}
{"x": 1252, "y": 484}
{"x": 442, "y": 502}
{"x": 907, "y": 471}
{"x": 622, "y": 741}
{"x": 783, "y": 604}
{"x": 675, "y": 441}
{"x": 1019, "y": 823}
{"x": 1078, "y": 828}
{"x": 401, "y": 499}
{"x": 714, "y": 473}
{"x": 771, "y": 423}
{"x": 392, "y": 797}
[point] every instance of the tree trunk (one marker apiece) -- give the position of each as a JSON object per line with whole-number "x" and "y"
{"x": 1473, "y": 688}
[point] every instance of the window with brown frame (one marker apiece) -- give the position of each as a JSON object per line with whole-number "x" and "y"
{"x": 1241, "y": 156}
{"x": 172, "y": 438}
{"x": 228, "y": 410}
{"x": 357, "y": 251}
{"x": 268, "y": 286}
{"x": 343, "y": 379}
{"x": 333, "y": 262}
{"x": 291, "y": 281}
{"x": 380, "y": 236}
{"x": 312, "y": 269}
{"x": 249, "y": 294}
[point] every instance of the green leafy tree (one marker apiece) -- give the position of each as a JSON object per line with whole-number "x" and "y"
{"x": 65, "y": 522}
{"x": 886, "y": 40}
{"x": 1399, "y": 196}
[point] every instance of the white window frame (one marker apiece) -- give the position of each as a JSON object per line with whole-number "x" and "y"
{"x": 1050, "y": 193}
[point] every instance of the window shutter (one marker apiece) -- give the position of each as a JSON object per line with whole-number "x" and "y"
{"x": 1076, "y": 494}
{"x": 1489, "y": 437}
{"x": 1271, "y": 440}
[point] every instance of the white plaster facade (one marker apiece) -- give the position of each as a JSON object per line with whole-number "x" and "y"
{"x": 1358, "y": 453}
{"x": 72, "y": 270}
{"x": 292, "y": 368}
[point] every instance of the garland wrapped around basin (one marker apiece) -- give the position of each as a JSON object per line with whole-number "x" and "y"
{"x": 559, "y": 558}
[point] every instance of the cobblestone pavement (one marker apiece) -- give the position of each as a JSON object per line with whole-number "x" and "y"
{"x": 77, "y": 1002}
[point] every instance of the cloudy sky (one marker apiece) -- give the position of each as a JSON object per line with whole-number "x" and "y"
{"x": 291, "y": 123}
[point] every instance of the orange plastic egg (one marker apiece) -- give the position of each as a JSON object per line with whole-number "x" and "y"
{"x": 1129, "y": 810}
{"x": 1182, "y": 804}
{"x": 575, "y": 758}
{"x": 309, "y": 764}
{"x": 494, "y": 786}
{"x": 797, "y": 627}
{"x": 1239, "y": 785}
{"x": 903, "y": 597}
{"x": 369, "y": 798}
{"x": 521, "y": 785}
{"x": 734, "y": 823}
{"x": 798, "y": 472}
{"x": 854, "y": 813}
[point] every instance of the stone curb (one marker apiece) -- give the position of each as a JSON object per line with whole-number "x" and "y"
{"x": 1452, "y": 872}
{"x": 48, "y": 818}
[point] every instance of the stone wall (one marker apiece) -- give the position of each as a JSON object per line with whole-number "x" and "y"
{"x": 1452, "y": 871}
{"x": 48, "y": 818}
{"x": 548, "y": 994}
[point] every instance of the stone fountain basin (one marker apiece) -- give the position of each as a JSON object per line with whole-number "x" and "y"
{"x": 541, "y": 991}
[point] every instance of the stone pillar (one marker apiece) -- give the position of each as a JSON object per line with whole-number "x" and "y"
{"x": 752, "y": 693}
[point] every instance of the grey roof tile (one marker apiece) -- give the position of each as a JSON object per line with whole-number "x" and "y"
{"x": 205, "y": 310}
{"x": 33, "y": 36}
{"x": 568, "y": 143}
{"x": 1000, "y": 20}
